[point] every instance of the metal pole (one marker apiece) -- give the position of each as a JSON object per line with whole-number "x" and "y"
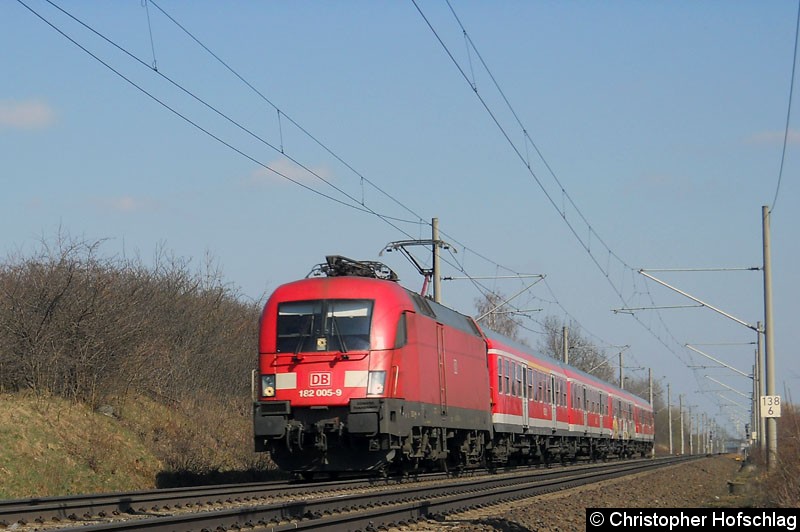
{"x": 704, "y": 432}
{"x": 769, "y": 340}
{"x": 621, "y": 371}
{"x": 437, "y": 277}
{"x": 565, "y": 343}
{"x": 754, "y": 417}
{"x": 691, "y": 447}
{"x": 669, "y": 417}
{"x": 761, "y": 426}
{"x": 680, "y": 402}
{"x": 650, "y": 379}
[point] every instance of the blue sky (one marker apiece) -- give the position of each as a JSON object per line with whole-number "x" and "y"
{"x": 663, "y": 122}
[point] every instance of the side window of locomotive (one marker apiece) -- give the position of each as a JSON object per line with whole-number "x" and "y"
{"x": 400, "y": 337}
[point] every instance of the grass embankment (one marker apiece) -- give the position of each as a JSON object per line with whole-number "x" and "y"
{"x": 51, "y": 446}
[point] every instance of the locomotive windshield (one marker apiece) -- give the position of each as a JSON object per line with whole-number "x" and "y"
{"x": 324, "y": 325}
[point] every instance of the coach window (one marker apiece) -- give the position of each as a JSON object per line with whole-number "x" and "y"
{"x": 518, "y": 372}
{"x": 507, "y": 381}
{"x": 557, "y": 398}
{"x": 530, "y": 382}
{"x": 499, "y": 375}
{"x": 559, "y": 391}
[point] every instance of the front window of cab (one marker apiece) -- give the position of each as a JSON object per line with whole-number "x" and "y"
{"x": 324, "y": 325}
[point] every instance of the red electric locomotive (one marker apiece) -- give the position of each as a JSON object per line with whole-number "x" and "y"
{"x": 356, "y": 373}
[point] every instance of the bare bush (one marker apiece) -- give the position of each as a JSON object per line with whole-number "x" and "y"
{"x": 91, "y": 328}
{"x": 781, "y": 486}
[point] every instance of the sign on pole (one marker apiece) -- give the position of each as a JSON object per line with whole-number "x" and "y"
{"x": 770, "y": 406}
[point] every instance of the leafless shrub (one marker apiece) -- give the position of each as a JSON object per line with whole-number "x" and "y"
{"x": 92, "y": 329}
{"x": 781, "y": 484}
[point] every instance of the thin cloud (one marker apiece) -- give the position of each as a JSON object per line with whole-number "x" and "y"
{"x": 30, "y": 114}
{"x": 774, "y": 137}
{"x": 126, "y": 204}
{"x": 264, "y": 177}
{"x": 664, "y": 185}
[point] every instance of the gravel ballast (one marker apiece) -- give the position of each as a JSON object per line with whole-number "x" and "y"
{"x": 695, "y": 484}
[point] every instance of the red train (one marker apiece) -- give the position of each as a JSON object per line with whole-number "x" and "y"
{"x": 356, "y": 373}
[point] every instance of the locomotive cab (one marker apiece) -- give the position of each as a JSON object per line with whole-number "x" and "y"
{"x": 325, "y": 353}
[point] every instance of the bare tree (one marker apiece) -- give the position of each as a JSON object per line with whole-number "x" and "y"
{"x": 583, "y": 353}
{"x": 494, "y": 315}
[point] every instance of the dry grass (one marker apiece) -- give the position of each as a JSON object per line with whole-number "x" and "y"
{"x": 780, "y": 488}
{"x": 196, "y": 436}
{"x": 52, "y": 446}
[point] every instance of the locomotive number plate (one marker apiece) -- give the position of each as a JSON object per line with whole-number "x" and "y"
{"x": 321, "y": 392}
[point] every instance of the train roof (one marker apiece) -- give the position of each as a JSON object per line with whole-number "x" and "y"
{"x": 344, "y": 276}
{"x": 363, "y": 287}
{"x": 497, "y": 340}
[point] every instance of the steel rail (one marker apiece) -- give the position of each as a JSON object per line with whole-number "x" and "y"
{"x": 367, "y": 510}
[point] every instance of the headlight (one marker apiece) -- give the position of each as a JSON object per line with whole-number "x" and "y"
{"x": 375, "y": 382}
{"x": 268, "y": 385}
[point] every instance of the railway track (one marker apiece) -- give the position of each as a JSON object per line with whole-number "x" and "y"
{"x": 340, "y": 505}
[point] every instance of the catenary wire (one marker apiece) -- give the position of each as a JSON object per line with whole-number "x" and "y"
{"x": 184, "y": 117}
{"x": 355, "y": 205}
{"x": 788, "y": 110}
{"x": 562, "y": 212}
{"x": 225, "y": 64}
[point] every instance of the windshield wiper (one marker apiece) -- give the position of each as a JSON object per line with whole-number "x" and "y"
{"x": 304, "y": 335}
{"x": 338, "y": 333}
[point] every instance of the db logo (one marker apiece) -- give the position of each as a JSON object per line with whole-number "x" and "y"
{"x": 320, "y": 379}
